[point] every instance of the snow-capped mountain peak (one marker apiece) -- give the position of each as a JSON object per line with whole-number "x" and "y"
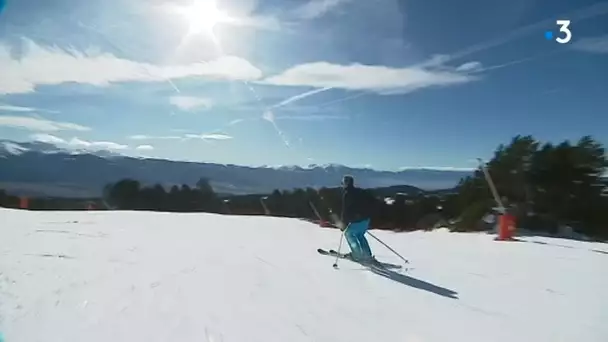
{"x": 8, "y": 147}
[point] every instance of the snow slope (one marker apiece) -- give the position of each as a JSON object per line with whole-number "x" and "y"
{"x": 138, "y": 276}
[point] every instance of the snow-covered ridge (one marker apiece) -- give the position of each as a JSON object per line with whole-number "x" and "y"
{"x": 73, "y": 166}
{"x": 305, "y": 167}
{"x": 334, "y": 166}
{"x": 8, "y": 147}
{"x": 140, "y": 276}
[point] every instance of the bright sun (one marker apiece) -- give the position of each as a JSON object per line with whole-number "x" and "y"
{"x": 203, "y": 15}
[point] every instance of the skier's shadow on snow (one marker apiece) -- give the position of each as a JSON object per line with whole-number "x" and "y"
{"x": 416, "y": 283}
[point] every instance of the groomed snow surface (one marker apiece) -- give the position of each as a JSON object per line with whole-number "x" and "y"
{"x": 140, "y": 276}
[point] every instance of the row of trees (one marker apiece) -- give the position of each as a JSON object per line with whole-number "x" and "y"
{"x": 129, "y": 194}
{"x": 545, "y": 186}
{"x": 405, "y": 212}
{"x": 7, "y": 200}
{"x": 45, "y": 203}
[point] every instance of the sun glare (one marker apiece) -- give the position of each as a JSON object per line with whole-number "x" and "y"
{"x": 203, "y": 15}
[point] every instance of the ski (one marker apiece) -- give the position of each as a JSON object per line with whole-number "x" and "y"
{"x": 378, "y": 264}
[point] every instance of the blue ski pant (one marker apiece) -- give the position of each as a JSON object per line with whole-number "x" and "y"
{"x": 355, "y": 236}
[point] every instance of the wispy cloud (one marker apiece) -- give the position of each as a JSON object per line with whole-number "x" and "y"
{"x": 10, "y": 108}
{"x": 190, "y": 102}
{"x": 317, "y": 8}
{"x": 592, "y": 44}
{"x": 300, "y": 97}
{"x": 375, "y": 78}
{"x": 47, "y": 138}
{"x": 102, "y": 69}
{"x": 217, "y": 137}
{"x": 204, "y": 136}
{"x": 96, "y": 145}
{"x": 435, "y": 61}
{"x": 470, "y": 66}
{"x": 77, "y": 143}
{"x": 439, "y": 62}
{"x": 39, "y": 124}
{"x": 209, "y": 136}
{"x": 236, "y": 122}
{"x": 154, "y": 137}
{"x": 145, "y": 148}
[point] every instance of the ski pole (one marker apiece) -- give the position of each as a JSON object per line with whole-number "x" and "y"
{"x": 314, "y": 209}
{"x": 335, "y": 265}
{"x": 337, "y": 222}
{"x": 340, "y": 225}
{"x": 387, "y": 246}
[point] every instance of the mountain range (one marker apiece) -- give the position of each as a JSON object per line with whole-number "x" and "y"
{"x": 42, "y": 169}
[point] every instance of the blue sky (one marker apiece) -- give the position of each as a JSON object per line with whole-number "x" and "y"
{"x": 380, "y": 83}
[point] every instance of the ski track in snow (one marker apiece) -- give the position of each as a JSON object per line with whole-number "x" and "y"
{"x": 140, "y": 276}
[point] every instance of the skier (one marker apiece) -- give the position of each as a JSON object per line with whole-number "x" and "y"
{"x": 356, "y": 216}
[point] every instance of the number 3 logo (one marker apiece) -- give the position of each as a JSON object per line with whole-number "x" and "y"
{"x": 564, "y": 28}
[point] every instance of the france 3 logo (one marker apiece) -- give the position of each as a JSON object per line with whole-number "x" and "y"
{"x": 564, "y": 30}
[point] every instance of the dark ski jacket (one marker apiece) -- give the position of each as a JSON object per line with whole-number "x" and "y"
{"x": 357, "y": 205}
